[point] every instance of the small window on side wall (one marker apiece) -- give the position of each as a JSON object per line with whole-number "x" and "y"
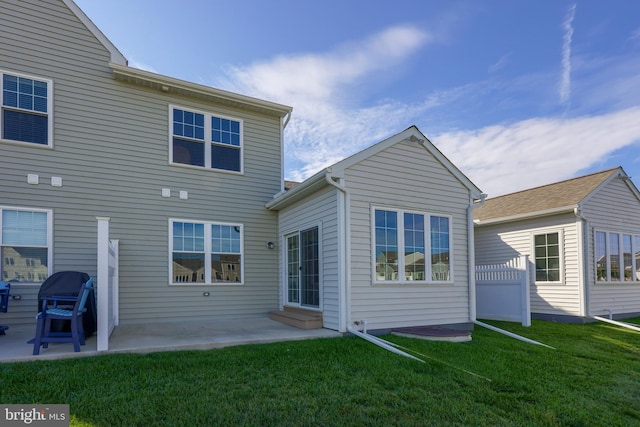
{"x": 26, "y": 109}
{"x": 547, "y": 257}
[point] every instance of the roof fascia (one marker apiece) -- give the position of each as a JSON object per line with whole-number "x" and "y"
{"x": 412, "y": 134}
{"x": 116, "y": 56}
{"x": 528, "y": 215}
{"x": 307, "y": 187}
{"x": 170, "y": 84}
{"x": 618, "y": 174}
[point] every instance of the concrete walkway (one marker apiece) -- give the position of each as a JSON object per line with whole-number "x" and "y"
{"x": 161, "y": 336}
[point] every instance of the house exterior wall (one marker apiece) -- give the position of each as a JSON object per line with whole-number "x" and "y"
{"x": 406, "y": 176}
{"x": 321, "y": 210}
{"x": 499, "y": 243}
{"x": 111, "y": 149}
{"x": 612, "y": 209}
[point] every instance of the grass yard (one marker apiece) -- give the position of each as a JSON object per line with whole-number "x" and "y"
{"x": 592, "y": 379}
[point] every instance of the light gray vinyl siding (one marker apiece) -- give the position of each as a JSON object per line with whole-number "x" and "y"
{"x": 317, "y": 210}
{"x": 614, "y": 209}
{"x": 499, "y": 243}
{"x": 406, "y": 176}
{"x": 111, "y": 147}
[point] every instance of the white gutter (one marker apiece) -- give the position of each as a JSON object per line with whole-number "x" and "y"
{"x": 615, "y": 322}
{"x": 283, "y": 126}
{"x": 471, "y": 252}
{"x": 396, "y": 348}
{"x": 528, "y": 215}
{"x": 583, "y": 262}
{"x": 511, "y": 334}
{"x": 382, "y": 343}
{"x": 344, "y": 261}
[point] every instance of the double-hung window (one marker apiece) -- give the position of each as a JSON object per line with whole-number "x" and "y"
{"x": 206, "y": 252}
{"x": 25, "y": 245}
{"x": 547, "y": 257}
{"x": 617, "y": 257}
{"x": 26, "y": 109}
{"x": 411, "y": 246}
{"x": 205, "y": 140}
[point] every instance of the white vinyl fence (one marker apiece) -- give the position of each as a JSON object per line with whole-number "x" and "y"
{"x": 502, "y": 291}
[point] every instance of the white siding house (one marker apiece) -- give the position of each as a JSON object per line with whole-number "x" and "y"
{"x": 582, "y": 237}
{"x": 182, "y": 170}
{"x": 393, "y": 238}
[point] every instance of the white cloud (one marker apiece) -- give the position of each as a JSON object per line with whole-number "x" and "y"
{"x": 504, "y": 158}
{"x": 327, "y": 125}
{"x": 500, "y": 63}
{"x": 565, "y": 83}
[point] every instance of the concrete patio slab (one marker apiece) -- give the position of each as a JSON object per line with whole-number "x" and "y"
{"x": 161, "y": 336}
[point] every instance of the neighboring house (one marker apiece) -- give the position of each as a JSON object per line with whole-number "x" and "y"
{"x": 187, "y": 175}
{"x": 182, "y": 170}
{"x": 342, "y": 230}
{"x": 582, "y": 237}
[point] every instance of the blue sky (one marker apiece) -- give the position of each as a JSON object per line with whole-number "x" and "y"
{"x": 516, "y": 93}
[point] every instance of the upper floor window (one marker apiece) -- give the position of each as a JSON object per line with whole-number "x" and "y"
{"x": 547, "y": 257}
{"x": 205, "y": 140}
{"x": 411, "y": 246}
{"x": 26, "y": 109}
{"x": 25, "y": 245}
{"x": 617, "y": 257}
{"x": 206, "y": 252}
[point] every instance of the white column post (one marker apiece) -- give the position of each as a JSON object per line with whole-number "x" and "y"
{"x": 102, "y": 294}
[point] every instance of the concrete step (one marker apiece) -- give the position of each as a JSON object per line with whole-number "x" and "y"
{"x": 300, "y": 318}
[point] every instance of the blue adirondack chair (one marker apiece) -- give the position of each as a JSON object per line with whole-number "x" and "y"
{"x": 4, "y": 301}
{"x": 62, "y": 307}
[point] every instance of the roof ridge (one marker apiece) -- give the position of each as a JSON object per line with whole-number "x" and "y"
{"x": 555, "y": 183}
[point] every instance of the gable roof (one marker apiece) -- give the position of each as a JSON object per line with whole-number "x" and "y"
{"x": 548, "y": 199}
{"x": 121, "y": 71}
{"x": 328, "y": 175}
{"x": 116, "y": 56}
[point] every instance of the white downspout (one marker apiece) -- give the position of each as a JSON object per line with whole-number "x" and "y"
{"x": 583, "y": 260}
{"x": 471, "y": 251}
{"x": 618, "y": 323}
{"x": 382, "y": 343}
{"x": 345, "y": 249}
{"x": 283, "y": 126}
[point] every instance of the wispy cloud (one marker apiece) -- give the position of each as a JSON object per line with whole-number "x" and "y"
{"x": 505, "y": 158}
{"x": 500, "y": 63}
{"x": 565, "y": 82}
{"x": 635, "y": 35}
{"x": 328, "y": 123}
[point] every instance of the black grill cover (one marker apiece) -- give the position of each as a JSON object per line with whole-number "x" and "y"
{"x": 66, "y": 283}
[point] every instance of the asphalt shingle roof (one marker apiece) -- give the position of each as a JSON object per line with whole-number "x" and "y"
{"x": 548, "y": 197}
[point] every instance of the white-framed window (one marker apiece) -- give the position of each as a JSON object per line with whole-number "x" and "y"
{"x": 25, "y": 244}
{"x": 205, "y": 253}
{"x": 26, "y": 103}
{"x": 205, "y": 140}
{"x": 411, "y": 246}
{"x": 547, "y": 253}
{"x": 617, "y": 257}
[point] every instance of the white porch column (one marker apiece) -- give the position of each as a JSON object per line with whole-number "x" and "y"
{"x": 102, "y": 291}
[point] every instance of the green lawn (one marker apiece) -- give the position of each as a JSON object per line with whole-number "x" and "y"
{"x": 592, "y": 379}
